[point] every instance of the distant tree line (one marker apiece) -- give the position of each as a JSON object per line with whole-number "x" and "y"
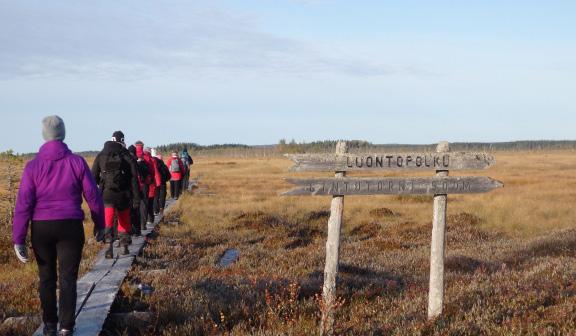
{"x": 355, "y": 146}
{"x": 325, "y": 146}
{"x": 194, "y": 147}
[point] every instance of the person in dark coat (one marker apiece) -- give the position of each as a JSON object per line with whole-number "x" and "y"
{"x": 188, "y": 162}
{"x": 116, "y": 173}
{"x": 160, "y": 196}
{"x": 136, "y": 213}
{"x": 50, "y": 197}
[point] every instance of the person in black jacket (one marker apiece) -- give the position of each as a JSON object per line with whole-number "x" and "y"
{"x": 188, "y": 162}
{"x": 137, "y": 214}
{"x": 116, "y": 174}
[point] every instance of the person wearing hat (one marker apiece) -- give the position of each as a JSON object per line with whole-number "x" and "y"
{"x": 116, "y": 173}
{"x": 50, "y": 198}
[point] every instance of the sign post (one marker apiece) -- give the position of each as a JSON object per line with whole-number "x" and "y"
{"x": 436, "y": 292}
{"x": 332, "y": 254}
{"x": 440, "y": 185}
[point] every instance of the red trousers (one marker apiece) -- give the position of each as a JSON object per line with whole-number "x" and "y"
{"x": 123, "y": 219}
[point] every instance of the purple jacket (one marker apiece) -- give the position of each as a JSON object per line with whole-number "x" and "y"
{"x": 51, "y": 188}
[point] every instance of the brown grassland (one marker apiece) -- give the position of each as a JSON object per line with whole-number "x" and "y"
{"x": 510, "y": 257}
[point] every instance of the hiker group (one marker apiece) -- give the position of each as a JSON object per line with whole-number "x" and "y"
{"x": 126, "y": 186}
{"x": 133, "y": 184}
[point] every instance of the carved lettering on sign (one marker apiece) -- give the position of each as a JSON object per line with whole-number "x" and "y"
{"x": 399, "y": 161}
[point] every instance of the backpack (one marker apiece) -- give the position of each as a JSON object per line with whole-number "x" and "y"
{"x": 187, "y": 160}
{"x": 143, "y": 170}
{"x": 174, "y": 166}
{"x": 115, "y": 176}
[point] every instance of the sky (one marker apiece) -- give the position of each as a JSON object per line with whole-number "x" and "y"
{"x": 257, "y": 71}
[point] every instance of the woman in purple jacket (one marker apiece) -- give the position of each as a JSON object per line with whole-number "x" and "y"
{"x": 50, "y": 197}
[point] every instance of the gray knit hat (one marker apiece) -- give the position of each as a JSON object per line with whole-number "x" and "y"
{"x": 53, "y": 128}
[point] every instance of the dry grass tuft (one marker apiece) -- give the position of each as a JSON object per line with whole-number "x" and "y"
{"x": 366, "y": 231}
{"x": 383, "y": 212}
{"x": 259, "y": 220}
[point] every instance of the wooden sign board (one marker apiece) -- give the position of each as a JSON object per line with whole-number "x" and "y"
{"x": 393, "y": 186}
{"x": 391, "y": 161}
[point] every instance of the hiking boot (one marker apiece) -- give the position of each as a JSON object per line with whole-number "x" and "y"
{"x": 109, "y": 252}
{"x": 50, "y": 329}
{"x": 108, "y": 235}
{"x": 124, "y": 242}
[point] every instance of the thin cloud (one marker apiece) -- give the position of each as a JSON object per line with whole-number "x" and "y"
{"x": 123, "y": 41}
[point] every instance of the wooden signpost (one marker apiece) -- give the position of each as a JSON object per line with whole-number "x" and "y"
{"x": 440, "y": 186}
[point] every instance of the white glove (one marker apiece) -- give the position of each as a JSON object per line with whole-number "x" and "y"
{"x": 21, "y": 252}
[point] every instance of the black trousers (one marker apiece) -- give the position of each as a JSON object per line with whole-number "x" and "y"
{"x": 160, "y": 198}
{"x": 150, "y": 208}
{"x": 143, "y": 212}
{"x": 175, "y": 187}
{"x": 135, "y": 220}
{"x": 144, "y": 207}
{"x": 185, "y": 181}
{"x": 58, "y": 242}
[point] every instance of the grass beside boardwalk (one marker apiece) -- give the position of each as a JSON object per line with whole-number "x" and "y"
{"x": 510, "y": 258}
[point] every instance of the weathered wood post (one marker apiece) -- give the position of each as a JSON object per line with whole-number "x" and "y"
{"x": 332, "y": 254}
{"x": 436, "y": 292}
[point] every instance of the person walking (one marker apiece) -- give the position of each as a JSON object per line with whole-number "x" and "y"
{"x": 137, "y": 213}
{"x": 153, "y": 182}
{"x": 188, "y": 162}
{"x": 116, "y": 173}
{"x": 176, "y": 168}
{"x": 160, "y": 196}
{"x": 50, "y": 197}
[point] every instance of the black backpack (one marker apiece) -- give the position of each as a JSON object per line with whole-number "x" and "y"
{"x": 142, "y": 169}
{"x": 187, "y": 160}
{"x": 164, "y": 171}
{"x": 115, "y": 172}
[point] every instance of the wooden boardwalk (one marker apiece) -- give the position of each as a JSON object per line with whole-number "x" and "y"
{"x": 97, "y": 289}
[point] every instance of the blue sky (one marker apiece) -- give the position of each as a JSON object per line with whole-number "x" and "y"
{"x": 256, "y": 71}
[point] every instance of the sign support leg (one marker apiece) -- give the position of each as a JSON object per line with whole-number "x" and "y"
{"x": 332, "y": 255}
{"x": 436, "y": 293}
